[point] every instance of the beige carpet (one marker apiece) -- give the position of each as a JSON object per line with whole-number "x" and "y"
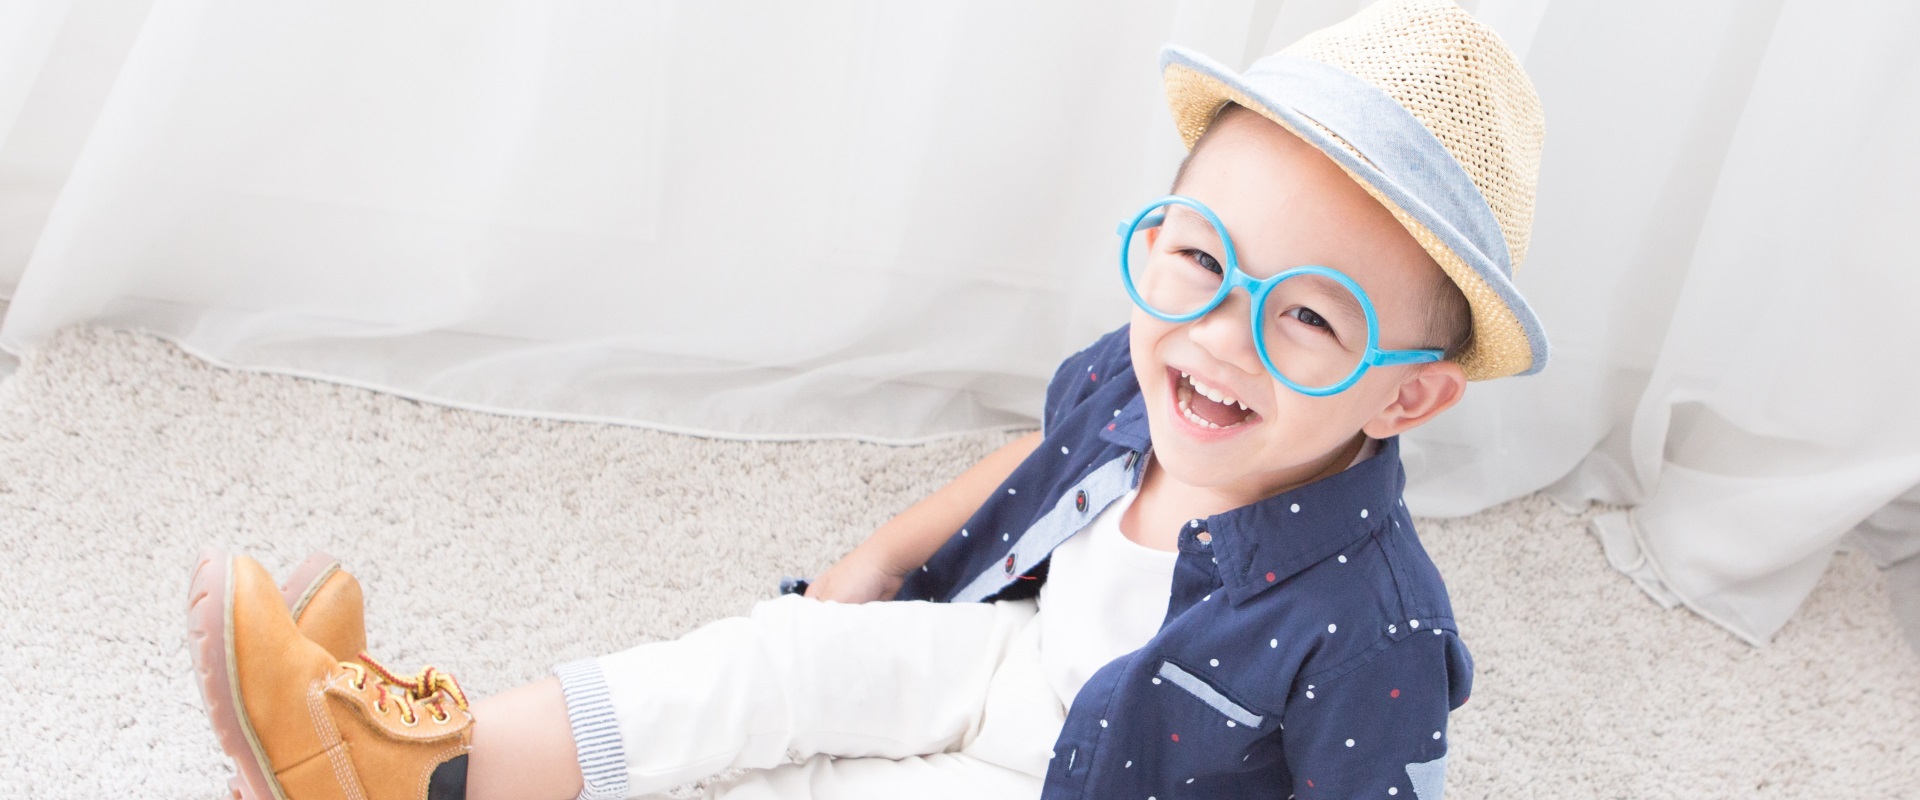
{"x": 495, "y": 547}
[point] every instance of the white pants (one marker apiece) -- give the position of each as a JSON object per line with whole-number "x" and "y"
{"x": 880, "y": 700}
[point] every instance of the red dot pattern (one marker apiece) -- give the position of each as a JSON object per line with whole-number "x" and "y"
{"x": 1269, "y": 577}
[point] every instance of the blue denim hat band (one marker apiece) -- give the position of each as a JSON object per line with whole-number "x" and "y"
{"x": 1414, "y": 168}
{"x": 1400, "y": 158}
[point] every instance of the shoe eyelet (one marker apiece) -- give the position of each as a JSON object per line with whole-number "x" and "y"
{"x": 380, "y": 705}
{"x": 441, "y": 718}
{"x": 409, "y": 720}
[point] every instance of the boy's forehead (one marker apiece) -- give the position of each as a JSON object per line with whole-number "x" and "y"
{"x": 1243, "y": 144}
{"x": 1286, "y": 204}
{"x": 1275, "y": 192}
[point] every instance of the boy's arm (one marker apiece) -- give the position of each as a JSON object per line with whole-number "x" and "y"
{"x": 876, "y": 568}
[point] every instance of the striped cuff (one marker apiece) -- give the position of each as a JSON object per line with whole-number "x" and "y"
{"x": 596, "y": 731}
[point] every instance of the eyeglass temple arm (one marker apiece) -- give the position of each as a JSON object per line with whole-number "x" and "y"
{"x": 1149, "y": 221}
{"x": 1389, "y": 358}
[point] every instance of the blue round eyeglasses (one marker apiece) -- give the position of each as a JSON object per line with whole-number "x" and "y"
{"x": 1177, "y": 270}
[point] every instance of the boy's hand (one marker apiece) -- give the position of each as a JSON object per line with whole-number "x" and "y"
{"x": 879, "y": 566}
{"x": 858, "y": 577}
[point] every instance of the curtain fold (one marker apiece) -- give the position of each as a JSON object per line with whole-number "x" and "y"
{"x": 891, "y": 221}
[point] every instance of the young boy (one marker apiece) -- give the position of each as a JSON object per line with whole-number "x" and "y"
{"x": 1197, "y": 579}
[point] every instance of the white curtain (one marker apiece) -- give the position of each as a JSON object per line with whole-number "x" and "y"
{"x": 890, "y": 221}
{"x": 1723, "y": 256}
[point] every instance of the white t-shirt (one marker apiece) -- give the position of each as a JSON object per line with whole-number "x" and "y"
{"x": 1105, "y": 596}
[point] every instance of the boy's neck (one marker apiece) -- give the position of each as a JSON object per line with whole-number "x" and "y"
{"x": 1164, "y": 502}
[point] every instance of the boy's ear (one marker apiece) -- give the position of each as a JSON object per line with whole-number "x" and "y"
{"x": 1427, "y": 390}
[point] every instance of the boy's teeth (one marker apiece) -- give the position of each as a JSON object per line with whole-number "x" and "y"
{"x": 1184, "y": 395}
{"x": 1194, "y": 418}
{"x": 1213, "y": 394}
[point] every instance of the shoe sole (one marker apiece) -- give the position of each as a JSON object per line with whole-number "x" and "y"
{"x": 209, "y": 632}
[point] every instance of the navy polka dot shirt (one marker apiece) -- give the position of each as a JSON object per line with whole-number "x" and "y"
{"x": 1308, "y": 648}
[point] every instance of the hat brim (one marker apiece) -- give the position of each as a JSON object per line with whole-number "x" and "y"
{"x": 1396, "y": 160}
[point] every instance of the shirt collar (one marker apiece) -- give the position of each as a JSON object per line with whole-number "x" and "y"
{"x": 1263, "y": 543}
{"x": 1129, "y": 428}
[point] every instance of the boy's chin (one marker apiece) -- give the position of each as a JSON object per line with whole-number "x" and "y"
{"x": 1233, "y": 464}
{"x": 1200, "y": 465}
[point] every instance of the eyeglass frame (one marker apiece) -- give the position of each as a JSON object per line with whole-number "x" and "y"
{"x": 1257, "y": 289}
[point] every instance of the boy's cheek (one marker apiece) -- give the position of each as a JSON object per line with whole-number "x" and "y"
{"x": 1143, "y": 336}
{"x": 1140, "y": 349}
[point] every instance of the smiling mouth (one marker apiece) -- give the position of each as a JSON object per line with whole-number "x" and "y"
{"x": 1207, "y": 407}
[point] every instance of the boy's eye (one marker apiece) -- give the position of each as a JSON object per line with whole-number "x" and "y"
{"x": 1307, "y": 315}
{"x": 1205, "y": 261}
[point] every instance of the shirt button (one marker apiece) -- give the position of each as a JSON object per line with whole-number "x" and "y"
{"x": 1080, "y": 500}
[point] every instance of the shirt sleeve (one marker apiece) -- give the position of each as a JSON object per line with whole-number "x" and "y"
{"x": 1378, "y": 729}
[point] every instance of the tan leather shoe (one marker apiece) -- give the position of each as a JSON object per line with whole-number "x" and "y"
{"x": 302, "y": 724}
{"x": 327, "y": 606}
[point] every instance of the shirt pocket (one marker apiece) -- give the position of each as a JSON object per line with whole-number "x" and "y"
{"x": 1207, "y": 692}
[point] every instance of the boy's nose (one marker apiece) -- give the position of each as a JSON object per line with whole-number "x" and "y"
{"x": 1226, "y": 334}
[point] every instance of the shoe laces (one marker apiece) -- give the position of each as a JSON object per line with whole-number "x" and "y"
{"x": 427, "y": 688}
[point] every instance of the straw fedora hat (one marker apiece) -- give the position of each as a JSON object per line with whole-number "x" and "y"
{"x": 1429, "y": 112}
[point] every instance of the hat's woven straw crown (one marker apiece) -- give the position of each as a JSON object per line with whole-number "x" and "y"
{"x": 1456, "y": 76}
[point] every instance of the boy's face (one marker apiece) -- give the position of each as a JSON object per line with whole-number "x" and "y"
{"x": 1285, "y": 204}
